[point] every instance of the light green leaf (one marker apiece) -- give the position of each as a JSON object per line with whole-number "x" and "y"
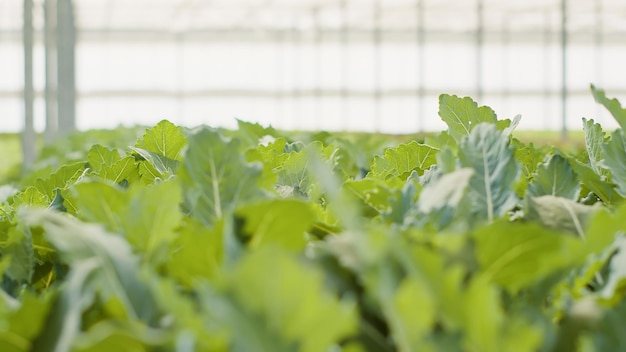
{"x": 62, "y": 178}
{"x": 162, "y": 164}
{"x": 165, "y": 139}
{"x": 124, "y": 169}
{"x": 516, "y": 255}
{"x": 554, "y": 177}
{"x": 462, "y": 114}
{"x": 594, "y": 138}
{"x": 197, "y": 252}
{"x": 100, "y": 157}
{"x": 614, "y": 289}
{"x": 280, "y": 222}
{"x": 488, "y": 152}
{"x": 615, "y": 160}
{"x": 101, "y": 202}
{"x": 31, "y": 197}
{"x": 602, "y": 188}
{"x": 613, "y": 105}
{"x": 215, "y": 177}
{"x": 403, "y": 159}
{"x": 560, "y": 213}
{"x": 416, "y": 312}
{"x": 271, "y": 302}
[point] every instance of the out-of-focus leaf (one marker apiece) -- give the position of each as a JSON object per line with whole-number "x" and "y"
{"x": 517, "y": 255}
{"x": 63, "y": 177}
{"x": 280, "y": 222}
{"x": 594, "y": 138}
{"x": 215, "y": 177}
{"x": 487, "y": 151}
{"x": 602, "y": 188}
{"x": 124, "y": 169}
{"x": 270, "y": 302}
{"x": 101, "y": 202}
{"x": 403, "y": 159}
{"x": 556, "y": 178}
{"x": 560, "y": 213}
{"x": 31, "y": 197}
{"x": 197, "y": 252}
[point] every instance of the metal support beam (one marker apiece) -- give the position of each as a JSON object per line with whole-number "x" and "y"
{"x": 480, "y": 34}
{"x": 28, "y": 135}
{"x": 564, "y": 69}
{"x": 317, "y": 66}
{"x": 345, "y": 59}
{"x": 66, "y": 68}
{"x": 421, "y": 56}
{"x": 377, "y": 65}
{"x": 50, "y": 70}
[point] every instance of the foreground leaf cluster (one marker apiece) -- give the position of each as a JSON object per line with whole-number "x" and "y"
{"x": 259, "y": 240}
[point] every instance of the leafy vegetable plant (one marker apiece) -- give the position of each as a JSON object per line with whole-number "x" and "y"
{"x": 261, "y": 240}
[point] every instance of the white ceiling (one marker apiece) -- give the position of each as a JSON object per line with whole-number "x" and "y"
{"x": 522, "y": 18}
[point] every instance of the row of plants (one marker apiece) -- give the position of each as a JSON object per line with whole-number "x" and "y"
{"x": 255, "y": 239}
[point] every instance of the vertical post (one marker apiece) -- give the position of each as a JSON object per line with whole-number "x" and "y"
{"x": 66, "y": 67}
{"x": 344, "y": 69}
{"x": 180, "y": 76}
{"x": 296, "y": 75}
{"x": 479, "y": 48}
{"x": 505, "y": 61}
{"x": 547, "y": 92}
{"x": 28, "y": 135}
{"x": 50, "y": 70}
{"x": 420, "y": 64}
{"x": 598, "y": 41}
{"x": 377, "y": 65}
{"x": 317, "y": 66}
{"x": 280, "y": 64}
{"x": 564, "y": 69}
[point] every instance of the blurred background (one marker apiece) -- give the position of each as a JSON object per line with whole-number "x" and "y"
{"x": 362, "y": 65}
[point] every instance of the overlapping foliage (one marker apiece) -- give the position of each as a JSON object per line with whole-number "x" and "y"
{"x": 250, "y": 240}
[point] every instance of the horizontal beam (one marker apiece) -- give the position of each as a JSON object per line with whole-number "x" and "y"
{"x": 536, "y": 36}
{"x": 310, "y": 93}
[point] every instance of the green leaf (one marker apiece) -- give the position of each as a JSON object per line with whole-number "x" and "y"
{"x": 19, "y": 247}
{"x": 615, "y": 160}
{"x": 164, "y": 139}
{"x": 416, "y": 312}
{"x": 488, "y": 152}
{"x": 555, "y": 177}
{"x": 162, "y": 164}
{"x": 463, "y": 114}
{"x": 270, "y": 302}
{"x": 560, "y": 213}
{"x": 62, "y": 178}
{"x": 26, "y": 322}
{"x": 280, "y": 222}
{"x": 443, "y": 199}
{"x": 594, "y": 138}
{"x": 602, "y": 188}
{"x": 294, "y": 174}
{"x": 115, "y": 271}
{"x": 517, "y": 255}
{"x": 100, "y": 157}
{"x": 272, "y": 156}
{"x": 101, "y": 202}
{"x": 197, "y": 252}
{"x": 615, "y": 287}
{"x": 124, "y": 169}
{"x": 215, "y": 177}
{"x": 403, "y": 159}
{"x": 31, "y": 197}
{"x": 613, "y": 105}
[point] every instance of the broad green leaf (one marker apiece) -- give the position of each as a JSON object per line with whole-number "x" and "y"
{"x": 463, "y": 114}
{"x": 215, "y": 177}
{"x": 253, "y": 134}
{"x": 613, "y": 105}
{"x": 374, "y": 192}
{"x": 197, "y": 252}
{"x": 31, "y": 197}
{"x": 415, "y": 307}
{"x": 100, "y": 157}
{"x": 62, "y": 178}
{"x": 271, "y": 302}
{"x": 613, "y": 291}
{"x": 516, "y": 255}
{"x": 162, "y": 164}
{"x": 555, "y": 177}
{"x": 123, "y": 170}
{"x": 443, "y": 200}
{"x": 24, "y": 323}
{"x": 111, "y": 335}
{"x": 560, "y": 213}
{"x": 19, "y": 247}
{"x": 280, "y": 222}
{"x": 594, "y": 138}
{"x": 602, "y": 188}
{"x": 615, "y": 160}
{"x": 271, "y": 156}
{"x": 487, "y": 151}
{"x": 165, "y": 139}
{"x": 116, "y": 271}
{"x": 294, "y": 174}
{"x": 152, "y": 215}
{"x": 101, "y": 202}
{"x": 403, "y": 159}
